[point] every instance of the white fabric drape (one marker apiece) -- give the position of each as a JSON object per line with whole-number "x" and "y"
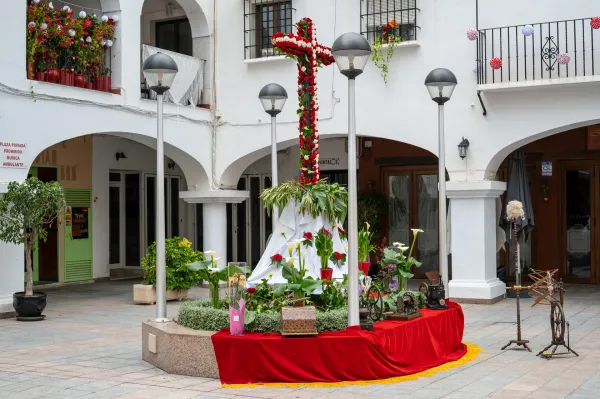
{"x": 189, "y": 81}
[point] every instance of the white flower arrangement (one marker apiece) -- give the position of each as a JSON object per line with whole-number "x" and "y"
{"x": 104, "y": 18}
{"x": 51, "y": 6}
{"x": 36, "y": 1}
{"x": 72, "y": 32}
{"x": 88, "y": 39}
{"x": 109, "y": 43}
{"x": 514, "y": 211}
{"x": 31, "y": 24}
{"x": 43, "y": 26}
{"x": 67, "y": 8}
{"x": 82, "y": 14}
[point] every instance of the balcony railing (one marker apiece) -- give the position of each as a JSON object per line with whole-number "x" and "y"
{"x": 538, "y": 52}
{"x": 188, "y": 85}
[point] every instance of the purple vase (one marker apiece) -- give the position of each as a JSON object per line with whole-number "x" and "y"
{"x": 237, "y": 319}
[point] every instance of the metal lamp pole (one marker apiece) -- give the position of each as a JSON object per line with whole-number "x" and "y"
{"x": 353, "y": 305}
{"x": 273, "y": 97}
{"x": 160, "y": 68}
{"x": 351, "y": 52}
{"x": 441, "y": 83}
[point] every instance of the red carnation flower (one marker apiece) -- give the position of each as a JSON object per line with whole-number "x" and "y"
{"x": 251, "y": 290}
{"x": 308, "y": 235}
{"x": 338, "y": 255}
{"x": 277, "y": 258}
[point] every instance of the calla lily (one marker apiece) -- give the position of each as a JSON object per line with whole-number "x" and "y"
{"x": 398, "y": 244}
{"x": 291, "y": 246}
{"x": 345, "y": 248}
{"x": 210, "y": 254}
{"x": 290, "y": 260}
{"x": 417, "y": 231}
{"x": 213, "y": 269}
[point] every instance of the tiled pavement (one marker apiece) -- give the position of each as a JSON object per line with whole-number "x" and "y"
{"x": 89, "y": 347}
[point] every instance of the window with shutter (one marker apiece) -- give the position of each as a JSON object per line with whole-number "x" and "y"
{"x": 262, "y": 19}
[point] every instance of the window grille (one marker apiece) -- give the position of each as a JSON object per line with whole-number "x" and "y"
{"x": 376, "y": 14}
{"x": 262, "y": 19}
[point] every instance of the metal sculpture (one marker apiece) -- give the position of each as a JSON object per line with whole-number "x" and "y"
{"x": 370, "y": 307}
{"x": 435, "y": 293}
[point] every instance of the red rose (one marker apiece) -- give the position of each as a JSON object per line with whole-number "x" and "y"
{"x": 308, "y": 235}
{"x": 277, "y": 258}
{"x": 251, "y": 290}
{"x": 338, "y": 256}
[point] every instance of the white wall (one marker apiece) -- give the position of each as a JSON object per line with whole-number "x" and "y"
{"x": 11, "y": 274}
{"x": 140, "y": 158}
{"x": 401, "y": 110}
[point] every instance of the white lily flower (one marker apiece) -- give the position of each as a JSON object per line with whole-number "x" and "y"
{"x": 417, "y": 231}
{"x": 290, "y": 260}
{"x": 398, "y": 244}
{"x": 210, "y": 254}
{"x": 291, "y": 246}
{"x": 213, "y": 270}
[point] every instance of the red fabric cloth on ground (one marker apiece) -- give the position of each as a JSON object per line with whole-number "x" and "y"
{"x": 392, "y": 349}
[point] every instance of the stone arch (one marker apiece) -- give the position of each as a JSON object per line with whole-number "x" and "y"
{"x": 500, "y": 155}
{"x": 194, "y": 173}
{"x": 193, "y": 11}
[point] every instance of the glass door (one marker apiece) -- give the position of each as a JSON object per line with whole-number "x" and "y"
{"x": 579, "y": 209}
{"x": 412, "y": 196}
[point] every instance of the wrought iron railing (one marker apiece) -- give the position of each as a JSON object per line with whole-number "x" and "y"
{"x": 543, "y": 51}
{"x": 262, "y": 19}
{"x": 376, "y": 14}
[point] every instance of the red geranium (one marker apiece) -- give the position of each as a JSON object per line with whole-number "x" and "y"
{"x": 251, "y": 290}
{"x": 308, "y": 235}
{"x": 277, "y": 258}
{"x": 338, "y": 255}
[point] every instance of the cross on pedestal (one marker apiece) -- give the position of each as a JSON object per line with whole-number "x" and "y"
{"x": 309, "y": 55}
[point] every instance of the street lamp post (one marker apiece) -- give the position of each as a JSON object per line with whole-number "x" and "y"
{"x": 441, "y": 83}
{"x": 160, "y": 70}
{"x": 351, "y": 52}
{"x": 273, "y": 97}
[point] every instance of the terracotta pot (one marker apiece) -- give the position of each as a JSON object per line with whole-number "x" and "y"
{"x": 327, "y": 274}
{"x": 99, "y": 83}
{"x": 66, "y": 77}
{"x": 41, "y": 76}
{"x": 53, "y": 75}
{"x": 80, "y": 80}
{"x": 299, "y": 304}
{"x": 106, "y": 80}
{"x": 364, "y": 266}
{"x": 30, "y": 70}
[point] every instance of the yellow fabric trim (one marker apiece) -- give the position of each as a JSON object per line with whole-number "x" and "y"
{"x": 473, "y": 352}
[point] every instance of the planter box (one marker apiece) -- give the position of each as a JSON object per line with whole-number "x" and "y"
{"x": 146, "y": 294}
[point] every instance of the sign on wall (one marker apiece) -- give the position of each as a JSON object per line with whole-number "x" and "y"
{"x": 546, "y": 168}
{"x": 80, "y": 223}
{"x": 12, "y": 155}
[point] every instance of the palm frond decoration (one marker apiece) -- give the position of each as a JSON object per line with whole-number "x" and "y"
{"x": 323, "y": 198}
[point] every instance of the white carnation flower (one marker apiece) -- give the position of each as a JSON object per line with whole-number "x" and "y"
{"x": 71, "y": 32}
{"x": 104, "y": 18}
{"x": 88, "y": 39}
{"x": 43, "y": 26}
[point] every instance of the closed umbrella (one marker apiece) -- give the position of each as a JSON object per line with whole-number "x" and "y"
{"x": 518, "y": 190}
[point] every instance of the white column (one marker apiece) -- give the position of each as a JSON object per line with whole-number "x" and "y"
{"x": 11, "y": 274}
{"x": 473, "y": 241}
{"x": 215, "y": 229}
{"x": 127, "y": 50}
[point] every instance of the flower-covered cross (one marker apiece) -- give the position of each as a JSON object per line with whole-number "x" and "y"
{"x": 309, "y": 55}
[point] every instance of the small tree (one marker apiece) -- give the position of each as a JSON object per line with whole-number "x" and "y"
{"x": 26, "y": 210}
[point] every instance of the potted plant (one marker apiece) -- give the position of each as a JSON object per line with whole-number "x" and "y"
{"x": 178, "y": 252}
{"x": 399, "y": 265}
{"x": 364, "y": 248}
{"x": 26, "y": 210}
{"x": 208, "y": 270}
{"x": 324, "y": 245}
{"x": 300, "y": 286}
{"x": 388, "y": 37}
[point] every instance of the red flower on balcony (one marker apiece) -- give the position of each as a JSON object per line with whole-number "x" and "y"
{"x": 496, "y": 63}
{"x": 595, "y": 23}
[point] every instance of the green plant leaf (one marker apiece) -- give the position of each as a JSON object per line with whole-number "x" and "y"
{"x": 279, "y": 289}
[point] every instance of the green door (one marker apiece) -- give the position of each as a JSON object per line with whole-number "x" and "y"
{"x": 78, "y": 235}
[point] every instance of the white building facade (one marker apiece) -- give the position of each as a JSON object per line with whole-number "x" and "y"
{"x": 218, "y": 145}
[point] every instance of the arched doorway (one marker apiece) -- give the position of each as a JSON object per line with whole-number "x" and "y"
{"x": 564, "y": 179}
{"x": 110, "y": 188}
{"x": 396, "y": 181}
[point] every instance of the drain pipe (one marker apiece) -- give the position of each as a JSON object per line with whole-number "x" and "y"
{"x": 215, "y": 119}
